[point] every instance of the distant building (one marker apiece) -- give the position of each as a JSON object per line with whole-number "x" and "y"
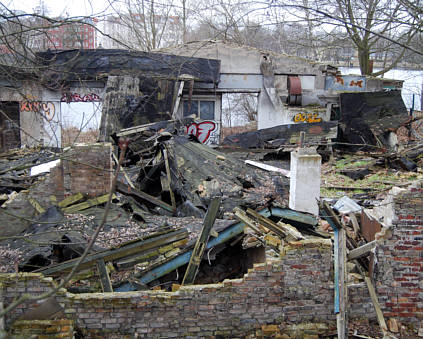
{"x": 79, "y": 34}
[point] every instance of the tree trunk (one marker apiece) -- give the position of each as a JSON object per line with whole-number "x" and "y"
{"x": 364, "y": 60}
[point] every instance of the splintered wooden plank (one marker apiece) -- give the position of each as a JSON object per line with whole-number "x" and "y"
{"x": 376, "y": 305}
{"x": 106, "y": 285}
{"x": 140, "y": 194}
{"x": 117, "y": 253}
{"x": 290, "y": 231}
{"x": 89, "y": 203}
{"x": 200, "y": 245}
{"x": 286, "y": 213}
{"x": 341, "y": 317}
{"x": 266, "y": 222}
{"x": 169, "y": 179}
{"x": 361, "y": 251}
{"x": 36, "y": 205}
{"x": 242, "y": 216}
{"x": 70, "y": 200}
{"x": 128, "y": 179}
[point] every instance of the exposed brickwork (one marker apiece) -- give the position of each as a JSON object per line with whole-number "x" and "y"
{"x": 269, "y": 294}
{"x": 12, "y": 286}
{"x": 399, "y": 273}
{"x": 44, "y": 329}
{"x": 87, "y": 169}
{"x": 297, "y": 289}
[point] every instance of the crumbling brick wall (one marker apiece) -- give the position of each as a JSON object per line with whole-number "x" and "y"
{"x": 292, "y": 290}
{"x": 399, "y": 269}
{"x": 86, "y": 169}
{"x": 13, "y": 285}
{"x": 297, "y": 288}
{"x": 43, "y": 329}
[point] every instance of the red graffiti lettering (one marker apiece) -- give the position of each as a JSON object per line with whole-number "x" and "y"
{"x": 76, "y": 97}
{"x": 201, "y": 130}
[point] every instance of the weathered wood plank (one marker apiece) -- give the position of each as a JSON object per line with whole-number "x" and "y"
{"x": 242, "y": 216}
{"x": 117, "y": 253}
{"x": 291, "y": 232}
{"x": 87, "y": 204}
{"x": 169, "y": 179}
{"x": 361, "y": 251}
{"x": 70, "y": 200}
{"x": 128, "y": 179}
{"x": 36, "y": 205}
{"x": 266, "y": 223}
{"x": 341, "y": 317}
{"x": 375, "y": 301}
{"x": 294, "y": 216}
{"x": 201, "y": 243}
{"x": 106, "y": 285}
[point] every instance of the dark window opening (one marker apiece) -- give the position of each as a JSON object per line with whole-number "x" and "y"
{"x": 9, "y": 125}
{"x": 203, "y": 109}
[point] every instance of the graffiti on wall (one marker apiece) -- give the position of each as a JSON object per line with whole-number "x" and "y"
{"x": 76, "y": 97}
{"x": 354, "y": 83}
{"x": 307, "y": 117}
{"x": 46, "y": 108}
{"x": 207, "y": 131}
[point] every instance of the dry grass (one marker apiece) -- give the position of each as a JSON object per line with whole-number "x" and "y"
{"x": 73, "y": 135}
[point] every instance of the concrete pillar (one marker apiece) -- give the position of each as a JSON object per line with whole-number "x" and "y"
{"x": 304, "y": 187}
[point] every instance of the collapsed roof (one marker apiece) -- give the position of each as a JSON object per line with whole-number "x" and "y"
{"x": 77, "y": 65}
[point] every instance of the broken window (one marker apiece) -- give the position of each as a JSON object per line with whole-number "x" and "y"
{"x": 203, "y": 109}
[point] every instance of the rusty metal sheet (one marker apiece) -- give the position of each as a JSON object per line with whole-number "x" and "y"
{"x": 369, "y": 226}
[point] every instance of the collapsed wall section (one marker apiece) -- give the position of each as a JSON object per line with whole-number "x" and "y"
{"x": 399, "y": 259}
{"x": 297, "y": 288}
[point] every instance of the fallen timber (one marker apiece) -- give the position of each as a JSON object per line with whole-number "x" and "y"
{"x": 144, "y": 277}
{"x": 117, "y": 253}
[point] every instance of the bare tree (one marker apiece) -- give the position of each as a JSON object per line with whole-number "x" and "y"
{"x": 366, "y": 23}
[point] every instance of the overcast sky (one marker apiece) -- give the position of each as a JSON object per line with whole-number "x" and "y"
{"x": 62, "y": 7}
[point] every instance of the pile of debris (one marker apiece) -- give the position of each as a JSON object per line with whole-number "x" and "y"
{"x": 163, "y": 192}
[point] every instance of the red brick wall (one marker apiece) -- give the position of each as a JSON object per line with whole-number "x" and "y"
{"x": 399, "y": 269}
{"x": 87, "y": 169}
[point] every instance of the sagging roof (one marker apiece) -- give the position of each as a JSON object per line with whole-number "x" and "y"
{"x": 74, "y": 65}
{"x": 231, "y": 55}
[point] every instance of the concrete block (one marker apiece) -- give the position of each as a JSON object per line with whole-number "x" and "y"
{"x": 305, "y": 180}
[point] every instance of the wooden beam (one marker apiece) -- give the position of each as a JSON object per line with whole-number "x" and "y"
{"x": 87, "y": 204}
{"x": 290, "y": 231}
{"x": 178, "y": 99}
{"x": 376, "y": 305}
{"x": 150, "y": 174}
{"x": 242, "y": 216}
{"x": 70, "y": 200}
{"x": 266, "y": 222}
{"x": 117, "y": 253}
{"x": 106, "y": 285}
{"x": 201, "y": 243}
{"x": 354, "y": 222}
{"x": 341, "y": 317}
{"x": 121, "y": 187}
{"x": 128, "y": 179}
{"x": 169, "y": 178}
{"x": 286, "y": 213}
{"x": 36, "y": 205}
{"x": 361, "y": 251}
